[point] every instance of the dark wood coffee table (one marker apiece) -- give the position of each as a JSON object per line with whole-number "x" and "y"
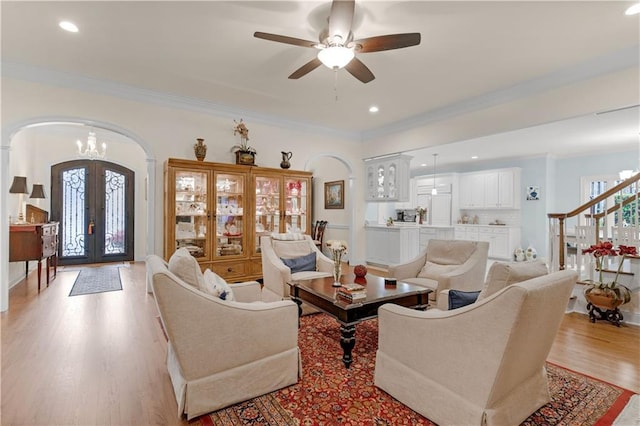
{"x": 321, "y": 294}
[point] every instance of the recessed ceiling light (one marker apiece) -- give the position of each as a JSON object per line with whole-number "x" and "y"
{"x": 475, "y": 157}
{"x": 68, "y": 26}
{"x": 633, "y": 10}
{"x": 373, "y": 109}
{"x": 423, "y": 165}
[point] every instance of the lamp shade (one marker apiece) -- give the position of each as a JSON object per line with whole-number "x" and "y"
{"x": 335, "y": 56}
{"x": 19, "y": 185}
{"x": 37, "y": 191}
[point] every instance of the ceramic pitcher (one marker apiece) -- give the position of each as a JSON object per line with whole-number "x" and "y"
{"x": 286, "y": 156}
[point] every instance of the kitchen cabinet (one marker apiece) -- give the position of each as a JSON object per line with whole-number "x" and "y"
{"x": 472, "y": 189}
{"x": 462, "y": 232}
{"x": 490, "y": 189}
{"x": 219, "y": 211}
{"x": 388, "y": 178}
{"x": 388, "y": 245}
{"x": 503, "y": 240}
{"x": 500, "y": 189}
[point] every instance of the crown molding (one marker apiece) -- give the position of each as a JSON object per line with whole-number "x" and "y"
{"x": 70, "y": 80}
{"x": 595, "y": 67}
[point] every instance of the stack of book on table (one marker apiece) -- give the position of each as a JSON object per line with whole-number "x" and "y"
{"x": 351, "y": 292}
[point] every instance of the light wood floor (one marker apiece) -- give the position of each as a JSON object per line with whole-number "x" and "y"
{"x": 100, "y": 359}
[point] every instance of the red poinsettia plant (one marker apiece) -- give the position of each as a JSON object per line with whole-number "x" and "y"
{"x": 600, "y": 251}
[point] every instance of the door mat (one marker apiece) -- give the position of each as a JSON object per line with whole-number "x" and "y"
{"x": 97, "y": 280}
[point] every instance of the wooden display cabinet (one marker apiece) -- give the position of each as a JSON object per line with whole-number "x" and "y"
{"x": 219, "y": 212}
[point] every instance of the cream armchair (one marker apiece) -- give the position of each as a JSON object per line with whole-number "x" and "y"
{"x": 277, "y": 275}
{"x": 444, "y": 264}
{"x": 223, "y": 352}
{"x": 482, "y": 364}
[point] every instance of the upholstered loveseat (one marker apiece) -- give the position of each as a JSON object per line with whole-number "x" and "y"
{"x": 221, "y": 352}
{"x": 481, "y": 364}
{"x": 455, "y": 264}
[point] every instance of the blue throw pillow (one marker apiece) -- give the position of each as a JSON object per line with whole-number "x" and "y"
{"x": 458, "y": 299}
{"x": 302, "y": 263}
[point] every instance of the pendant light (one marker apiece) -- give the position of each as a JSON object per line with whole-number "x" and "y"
{"x": 434, "y": 191}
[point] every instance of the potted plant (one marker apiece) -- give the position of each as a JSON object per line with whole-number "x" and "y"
{"x": 245, "y": 154}
{"x": 605, "y": 297}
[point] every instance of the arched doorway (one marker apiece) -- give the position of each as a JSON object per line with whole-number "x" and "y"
{"x": 147, "y": 185}
{"x": 93, "y": 202}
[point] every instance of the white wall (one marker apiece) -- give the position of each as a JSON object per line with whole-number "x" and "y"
{"x": 163, "y": 132}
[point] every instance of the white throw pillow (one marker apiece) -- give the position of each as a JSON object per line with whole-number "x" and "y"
{"x": 216, "y": 286}
{"x": 186, "y": 267}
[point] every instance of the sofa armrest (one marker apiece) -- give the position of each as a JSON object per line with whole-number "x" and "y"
{"x": 275, "y": 273}
{"x": 250, "y": 291}
{"x": 324, "y": 264}
{"x": 442, "y": 301}
{"x": 409, "y": 269}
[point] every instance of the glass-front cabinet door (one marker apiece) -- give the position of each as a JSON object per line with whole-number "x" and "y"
{"x": 230, "y": 213}
{"x": 191, "y": 212}
{"x": 295, "y": 209}
{"x": 267, "y": 208}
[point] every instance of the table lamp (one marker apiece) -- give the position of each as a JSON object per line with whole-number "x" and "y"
{"x": 19, "y": 186}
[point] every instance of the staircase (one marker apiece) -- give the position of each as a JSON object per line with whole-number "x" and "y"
{"x": 618, "y": 221}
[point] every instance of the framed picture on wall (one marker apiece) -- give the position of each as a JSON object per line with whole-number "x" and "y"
{"x": 334, "y": 195}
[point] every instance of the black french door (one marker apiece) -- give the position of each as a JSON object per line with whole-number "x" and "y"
{"x": 93, "y": 201}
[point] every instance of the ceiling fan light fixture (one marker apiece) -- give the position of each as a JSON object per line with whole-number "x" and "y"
{"x": 336, "y": 56}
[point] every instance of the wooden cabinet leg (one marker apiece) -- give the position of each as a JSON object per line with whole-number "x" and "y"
{"x": 39, "y": 273}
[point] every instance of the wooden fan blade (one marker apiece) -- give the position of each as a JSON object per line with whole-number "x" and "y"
{"x": 359, "y": 70}
{"x": 306, "y": 68}
{"x": 387, "y": 42}
{"x": 341, "y": 19}
{"x": 284, "y": 39}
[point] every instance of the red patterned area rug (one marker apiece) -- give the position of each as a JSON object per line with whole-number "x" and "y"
{"x": 329, "y": 394}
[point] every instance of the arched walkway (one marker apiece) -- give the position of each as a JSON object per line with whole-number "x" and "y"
{"x": 9, "y": 132}
{"x": 350, "y": 187}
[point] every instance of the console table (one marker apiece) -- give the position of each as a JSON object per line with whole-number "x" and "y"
{"x": 35, "y": 241}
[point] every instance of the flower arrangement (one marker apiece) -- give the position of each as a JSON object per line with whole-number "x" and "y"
{"x": 421, "y": 212}
{"x": 241, "y": 129}
{"x": 337, "y": 249}
{"x": 297, "y": 185}
{"x": 618, "y": 292}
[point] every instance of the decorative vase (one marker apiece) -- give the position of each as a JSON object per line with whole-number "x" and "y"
{"x": 337, "y": 269}
{"x": 360, "y": 271}
{"x": 286, "y": 156}
{"x": 200, "y": 149}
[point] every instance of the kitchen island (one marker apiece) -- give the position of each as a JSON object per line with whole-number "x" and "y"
{"x": 389, "y": 245}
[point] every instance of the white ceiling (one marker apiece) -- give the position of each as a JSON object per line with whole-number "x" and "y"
{"x": 205, "y": 51}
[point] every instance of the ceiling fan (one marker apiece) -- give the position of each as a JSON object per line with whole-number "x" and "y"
{"x": 337, "y": 47}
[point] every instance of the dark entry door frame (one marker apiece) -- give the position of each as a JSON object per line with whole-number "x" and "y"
{"x": 97, "y": 215}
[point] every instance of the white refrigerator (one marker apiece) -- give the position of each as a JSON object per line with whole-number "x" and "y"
{"x": 438, "y": 208}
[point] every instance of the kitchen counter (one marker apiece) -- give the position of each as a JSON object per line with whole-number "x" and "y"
{"x": 409, "y": 225}
{"x": 486, "y": 224}
{"x": 502, "y": 239}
